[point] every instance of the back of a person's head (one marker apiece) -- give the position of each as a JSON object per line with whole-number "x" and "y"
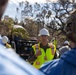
{"x": 71, "y": 27}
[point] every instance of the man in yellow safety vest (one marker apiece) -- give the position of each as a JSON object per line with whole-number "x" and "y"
{"x": 42, "y": 51}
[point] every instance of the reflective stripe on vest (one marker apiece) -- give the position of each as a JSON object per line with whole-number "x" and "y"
{"x": 44, "y": 56}
{"x": 37, "y": 47}
{"x": 52, "y": 48}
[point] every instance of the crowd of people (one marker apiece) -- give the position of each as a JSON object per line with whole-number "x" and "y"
{"x": 43, "y": 59}
{"x": 66, "y": 64}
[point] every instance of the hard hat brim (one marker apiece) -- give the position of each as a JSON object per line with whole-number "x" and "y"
{"x": 41, "y": 35}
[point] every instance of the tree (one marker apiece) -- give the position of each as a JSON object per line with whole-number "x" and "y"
{"x": 3, "y": 29}
{"x": 61, "y": 11}
{"x": 51, "y": 15}
{"x": 20, "y": 33}
{"x": 36, "y": 11}
{"x": 7, "y": 25}
{"x": 7, "y": 28}
{"x": 31, "y": 27}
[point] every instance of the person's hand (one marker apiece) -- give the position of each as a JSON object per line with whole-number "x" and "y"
{"x": 38, "y": 53}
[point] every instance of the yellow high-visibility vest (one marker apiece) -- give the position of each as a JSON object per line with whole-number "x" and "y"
{"x": 55, "y": 43}
{"x": 44, "y": 57}
{"x": 8, "y": 45}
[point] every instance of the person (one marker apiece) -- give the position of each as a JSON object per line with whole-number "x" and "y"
{"x": 55, "y": 41}
{"x": 66, "y": 65}
{"x": 12, "y": 41}
{"x": 64, "y": 48}
{"x": 43, "y": 51}
{"x": 5, "y": 42}
{"x": 10, "y": 62}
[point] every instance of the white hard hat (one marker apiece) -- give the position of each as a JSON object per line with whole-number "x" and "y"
{"x": 44, "y": 31}
{"x": 67, "y": 42}
{"x": 4, "y": 39}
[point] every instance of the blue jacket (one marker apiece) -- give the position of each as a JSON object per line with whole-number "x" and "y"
{"x": 66, "y": 65}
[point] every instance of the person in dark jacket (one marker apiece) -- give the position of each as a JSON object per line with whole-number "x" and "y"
{"x": 66, "y": 65}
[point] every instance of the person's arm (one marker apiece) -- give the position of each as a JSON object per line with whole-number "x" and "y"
{"x": 55, "y": 56}
{"x": 32, "y": 57}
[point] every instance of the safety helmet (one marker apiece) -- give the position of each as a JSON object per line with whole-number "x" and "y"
{"x": 70, "y": 28}
{"x": 66, "y": 42}
{"x": 4, "y": 39}
{"x": 44, "y": 31}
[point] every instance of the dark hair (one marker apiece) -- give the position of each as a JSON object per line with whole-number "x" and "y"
{"x": 71, "y": 26}
{"x": 3, "y": 2}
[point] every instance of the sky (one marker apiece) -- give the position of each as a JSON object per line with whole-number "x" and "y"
{"x": 13, "y": 4}
{"x": 32, "y": 1}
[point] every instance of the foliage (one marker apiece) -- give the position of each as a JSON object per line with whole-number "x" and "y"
{"x": 20, "y": 32}
{"x": 52, "y": 15}
{"x": 31, "y": 27}
{"x": 3, "y": 29}
{"x": 6, "y": 25}
{"x": 8, "y": 22}
{"x": 7, "y": 29}
{"x": 61, "y": 10}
